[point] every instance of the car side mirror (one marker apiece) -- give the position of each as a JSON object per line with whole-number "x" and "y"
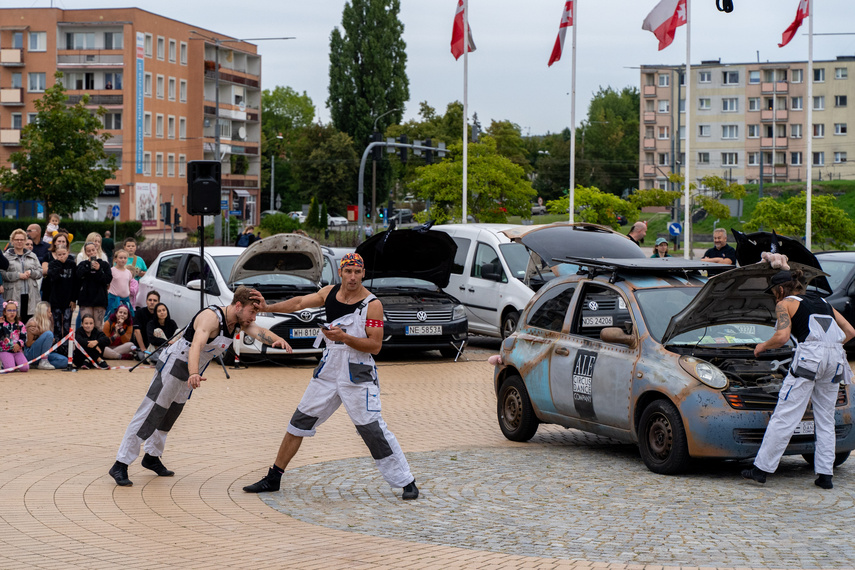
{"x": 491, "y": 272}
{"x": 616, "y": 335}
{"x": 850, "y": 292}
{"x": 196, "y": 285}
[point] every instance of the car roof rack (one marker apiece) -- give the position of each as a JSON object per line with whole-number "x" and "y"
{"x": 602, "y": 266}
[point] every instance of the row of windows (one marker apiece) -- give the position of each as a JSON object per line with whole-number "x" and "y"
{"x": 162, "y": 49}
{"x": 731, "y": 77}
{"x": 36, "y": 41}
{"x": 170, "y": 87}
{"x": 732, "y": 158}
{"x": 170, "y": 164}
{"x": 170, "y": 126}
{"x": 663, "y": 132}
{"x": 731, "y": 104}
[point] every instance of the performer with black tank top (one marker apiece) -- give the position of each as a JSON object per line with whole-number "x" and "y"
{"x": 346, "y": 375}
{"x": 179, "y": 371}
{"x": 819, "y": 365}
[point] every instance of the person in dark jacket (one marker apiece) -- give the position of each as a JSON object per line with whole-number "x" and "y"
{"x": 93, "y": 341}
{"x": 63, "y": 288}
{"x": 94, "y": 276}
{"x": 161, "y": 328}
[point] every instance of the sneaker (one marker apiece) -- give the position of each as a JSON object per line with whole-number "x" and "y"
{"x": 756, "y": 474}
{"x": 102, "y": 364}
{"x": 411, "y": 491}
{"x": 268, "y": 484}
{"x": 823, "y": 481}
{"x": 156, "y": 465}
{"x": 45, "y": 365}
{"x": 84, "y": 367}
{"x": 119, "y": 472}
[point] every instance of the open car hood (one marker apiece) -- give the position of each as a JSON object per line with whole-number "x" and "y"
{"x": 282, "y": 253}
{"x": 418, "y": 254}
{"x": 750, "y": 246}
{"x": 735, "y": 296}
{"x": 561, "y": 240}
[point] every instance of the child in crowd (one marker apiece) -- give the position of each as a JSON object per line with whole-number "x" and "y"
{"x": 135, "y": 263}
{"x": 52, "y": 226}
{"x": 119, "y": 328}
{"x": 93, "y": 342}
{"x": 64, "y": 287}
{"x": 94, "y": 276}
{"x": 13, "y": 337}
{"x": 40, "y": 338}
{"x": 119, "y": 292}
{"x": 93, "y": 237}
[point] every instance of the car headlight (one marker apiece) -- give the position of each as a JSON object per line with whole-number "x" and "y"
{"x": 704, "y": 371}
{"x": 458, "y": 313}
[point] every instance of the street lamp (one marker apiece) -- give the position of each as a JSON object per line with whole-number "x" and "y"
{"x": 273, "y": 173}
{"x": 374, "y": 171}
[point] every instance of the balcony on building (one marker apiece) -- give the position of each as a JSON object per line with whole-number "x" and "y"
{"x": 89, "y": 59}
{"x": 11, "y": 57}
{"x": 649, "y": 90}
{"x": 650, "y": 116}
{"x": 648, "y": 170}
{"x": 769, "y": 115}
{"x": 10, "y": 137}
{"x": 12, "y": 97}
{"x": 649, "y": 143}
{"x": 774, "y": 87}
{"x": 773, "y": 142}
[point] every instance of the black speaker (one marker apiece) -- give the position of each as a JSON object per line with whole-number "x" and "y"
{"x": 203, "y": 187}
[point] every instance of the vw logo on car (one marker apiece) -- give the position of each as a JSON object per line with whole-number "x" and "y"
{"x": 422, "y": 316}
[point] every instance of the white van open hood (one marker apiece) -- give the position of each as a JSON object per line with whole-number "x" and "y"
{"x": 282, "y": 253}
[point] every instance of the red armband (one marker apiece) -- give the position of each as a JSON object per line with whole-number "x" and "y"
{"x": 373, "y": 323}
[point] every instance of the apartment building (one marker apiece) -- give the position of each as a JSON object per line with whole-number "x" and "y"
{"x": 159, "y": 80}
{"x": 742, "y": 113}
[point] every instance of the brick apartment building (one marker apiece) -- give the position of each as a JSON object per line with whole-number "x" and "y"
{"x": 741, "y": 110}
{"x": 157, "y": 79}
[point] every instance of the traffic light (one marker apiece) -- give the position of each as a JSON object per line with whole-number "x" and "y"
{"x": 377, "y": 151}
{"x": 176, "y": 218}
{"x": 428, "y": 153}
{"x": 368, "y": 210}
{"x": 166, "y": 213}
{"x": 403, "y": 151}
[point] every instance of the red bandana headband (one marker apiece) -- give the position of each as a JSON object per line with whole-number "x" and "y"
{"x": 351, "y": 259}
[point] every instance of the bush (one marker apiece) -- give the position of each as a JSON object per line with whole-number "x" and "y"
{"x": 278, "y": 224}
{"x": 79, "y": 229}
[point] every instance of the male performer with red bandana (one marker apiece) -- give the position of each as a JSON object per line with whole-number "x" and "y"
{"x": 346, "y": 375}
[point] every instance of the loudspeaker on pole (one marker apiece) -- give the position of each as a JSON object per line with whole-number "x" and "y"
{"x": 203, "y": 187}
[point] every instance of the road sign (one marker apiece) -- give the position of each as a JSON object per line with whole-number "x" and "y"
{"x": 675, "y": 228}
{"x": 235, "y": 212}
{"x": 224, "y": 204}
{"x": 116, "y": 211}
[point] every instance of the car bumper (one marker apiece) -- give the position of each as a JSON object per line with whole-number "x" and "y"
{"x": 395, "y": 335}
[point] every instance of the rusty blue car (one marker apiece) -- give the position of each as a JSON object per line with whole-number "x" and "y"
{"x": 658, "y": 353}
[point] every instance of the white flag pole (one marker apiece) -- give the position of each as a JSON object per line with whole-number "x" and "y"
{"x": 465, "y": 105}
{"x": 572, "y": 194}
{"x": 687, "y": 213}
{"x": 809, "y": 104}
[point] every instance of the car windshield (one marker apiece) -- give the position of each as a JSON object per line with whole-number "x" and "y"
{"x": 837, "y": 272}
{"x": 406, "y": 282}
{"x": 516, "y": 256}
{"x": 659, "y": 305}
{"x": 225, "y": 264}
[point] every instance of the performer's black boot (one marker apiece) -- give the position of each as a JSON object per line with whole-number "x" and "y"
{"x": 156, "y": 465}
{"x": 268, "y": 484}
{"x": 119, "y": 472}
{"x": 410, "y": 492}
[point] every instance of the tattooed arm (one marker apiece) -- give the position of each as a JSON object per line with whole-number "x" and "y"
{"x": 784, "y": 311}
{"x": 267, "y": 337}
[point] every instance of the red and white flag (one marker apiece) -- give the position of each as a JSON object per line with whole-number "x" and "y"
{"x": 802, "y": 12}
{"x": 566, "y": 22}
{"x": 664, "y": 20}
{"x": 457, "y": 33}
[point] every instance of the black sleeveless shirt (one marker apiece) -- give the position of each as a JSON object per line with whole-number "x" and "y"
{"x": 190, "y": 331}
{"x": 811, "y": 304}
{"x": 336, "y": 309}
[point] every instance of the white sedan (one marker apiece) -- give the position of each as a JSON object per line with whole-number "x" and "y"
{"x": 334, "y": 220}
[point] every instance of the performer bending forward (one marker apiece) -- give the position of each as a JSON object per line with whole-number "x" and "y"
{"x": 179, "y": 371}
{"x": 346, "y": 375}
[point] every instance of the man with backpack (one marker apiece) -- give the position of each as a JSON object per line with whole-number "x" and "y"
{"x": 245, "y": 238}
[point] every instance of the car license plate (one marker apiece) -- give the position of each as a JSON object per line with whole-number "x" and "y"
{"x": 305, "y": 333}
{"x": 804, "y": 428}
{"x": 596, "y": 321}
{"x": 423, "y": 329}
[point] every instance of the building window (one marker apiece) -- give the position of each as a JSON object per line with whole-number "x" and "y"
{"x": 170, "y": 127}
{"x": 664, "y": 79}
{"x": 113, "y": 121}
{"x": 148, "y": 47}
{"x": 664, "y": 132}
{"x": 704, "y": 103}
{"x": 704, "y": 76}
{"x": 840, "y": 100}
{"x": 841, "y": 73}
{"x": 703, "y": 158}
{"x": 17, "y": 80}
{"x": 729, "y": 159}
{"x": 17, "y": 121}
{"x": 664, "y": 106}
{"x": 159, "y": 126}
{"x": 113, "y": 40}
{"x": 80, "y": 40}
{"x": 182, "y": 128}
{"x": 682, "y": 132}
{"x": 819, "y": 158}
{"x": 171, "y": 89}
{"x": 754, "y": 77}
{"x": 819, "y": 103}
{"x": 730, "y": 77}
{"x": 170, "y": 164}
{"x": 158, "y": 164}
{"x": 648, "y": 132}
{"x": 182, "y": 91}
{"x": 798, "y": 75}
{"x": 147, "y": 85}
{"x": 682, "y": 105}
{"x": 819, "y": 130}
{"x": 703, "y": 130}
{"x": 729, "y": 104}
{"x": 146, "y": 164}
{"x": 729, "y": 131}
{"x": 796, "y": 131}
{"x": 753, "y": 158}
{"x": 183, "y": 53}
{"x": 839, "y": 157}
{"x": 38, "y": 41}
{"x": 819, "y": 75}
{"x": 113, "y": 80}
{"x": 795, "y": 159}
{"x": 32, "y": 118}
{"x": 796, "y": 103}
{"x": 147, "y": 124}
{"x": 17, "y": 40}
{"x": 182, "y": 165}
{"x": 37, "y": 82}
{"x": 840, "y": 129}
{"x": 664, "y": 159}
{"x": 172, "y": 46}
{"x": 161, "y": 47}
{"x": 754, "y": 103}
{"x": 160, "y": 85}
{"x": 753, "y": 131}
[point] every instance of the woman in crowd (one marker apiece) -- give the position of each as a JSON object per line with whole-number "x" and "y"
{"x": 40, "y": 338}
{"x": 161, "y": 327}
{"x": 119, "y": 328}
{"x": 21, "y": 279}
{"x": 13, "y": 336}
{"x": 94, "y": 276}
{"x": 93, "y": 342}
{"x": 94, "y": 237}
{"x": 121, "y": 291}
{"x": 135, "y": 263}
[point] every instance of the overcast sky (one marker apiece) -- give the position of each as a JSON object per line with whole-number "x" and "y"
{"x": 508, "y": 74}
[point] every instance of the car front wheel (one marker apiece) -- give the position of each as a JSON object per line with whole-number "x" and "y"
{"x": 516, "y": 415}
{"x": 662, "y": 439}
{"x": 509, "y": 323}
{"x": 839, "y": 458}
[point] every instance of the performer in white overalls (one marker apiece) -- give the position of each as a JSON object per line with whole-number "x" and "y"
{"x": 819, "y": 365}
{"x": 346, "y": 375}
{"x": 179, "y": 371}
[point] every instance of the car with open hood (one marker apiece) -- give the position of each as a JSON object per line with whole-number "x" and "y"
{"x": 407, "y": 270}
{"x": 280, "y": 267}
{"x": 656, "y": 353}
{"x": 498, "y": 267}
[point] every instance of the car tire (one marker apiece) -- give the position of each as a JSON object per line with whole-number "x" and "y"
{"x": 515, "y": 412}
{"x": 662, "y": 439}
{"x": 509, "y": 323}
{"x": 839, "y": 458}
{"x": 448, "y": 352}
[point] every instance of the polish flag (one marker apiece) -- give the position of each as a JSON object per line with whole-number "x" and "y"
{"x": 802, "y": 12}
{"x": 457, "y": 33}
{"x": 566, "y": 22}
{"x": 664, "y": 20}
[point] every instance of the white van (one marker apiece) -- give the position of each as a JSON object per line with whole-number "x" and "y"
{"x": 498, "y": 267}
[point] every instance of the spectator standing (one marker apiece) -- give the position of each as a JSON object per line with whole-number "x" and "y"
{"x": 13, "y": 336}
{"x": 40, "y": 338}
{"x": 161, "y": 327}
{"x": 21, "y": 278}
{"x": 121, "y": 292}
{"x": 661, "y": 248}
{"x": 119, "y": 328}
{"x": 720, "y": 252}
{"x": 93, "y": 237}
{"x": 637, "y": 232}
{"x": 135, "y": 263}
{"x": 108, "y": 245}
{"x": 40, "y": 247}
{"x": 141, "y": 318}
{"x": 94, "y": 277}
{"x": 246, "y": 238}
{"x": 93, "y": 342}
{"x": 63, "y": 287}
{"x": 52, "y": 226}
{"x": 60, "y": 240}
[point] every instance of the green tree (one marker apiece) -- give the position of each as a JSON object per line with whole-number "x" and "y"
{"x": 550, "y": 157}
{"x": 593, "y": 206}
{"x": 368, "y": 74}
{"x": 497, "y": 187}
{"x": 509, "y": 142}
{"x": 325, "y": 166}
{"x": 830, "y": 226}
{"x": 62, "y": 159}
{"x": 313, "y": 218}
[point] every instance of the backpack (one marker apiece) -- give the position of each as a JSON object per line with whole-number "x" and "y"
{"x": 243, "y": 240}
